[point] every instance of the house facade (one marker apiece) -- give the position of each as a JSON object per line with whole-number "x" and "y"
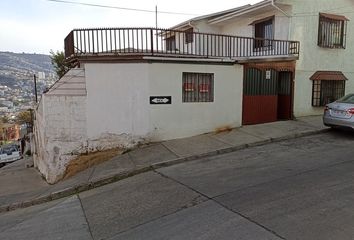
{"x": 223, "y": 70}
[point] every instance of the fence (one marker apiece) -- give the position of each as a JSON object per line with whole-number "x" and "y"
{"x": 154, "y": 41}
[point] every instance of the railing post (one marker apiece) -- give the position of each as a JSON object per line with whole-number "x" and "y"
{"x": 207, "y": 45}
{"x": 69, "y": 44}
{"x": 152, "y": 41}
{"x": 230, "y": 49}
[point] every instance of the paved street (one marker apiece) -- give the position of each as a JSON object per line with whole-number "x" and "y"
{"x": 295, "y": 189}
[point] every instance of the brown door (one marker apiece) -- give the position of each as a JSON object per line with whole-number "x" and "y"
{"x": 284, "y": 96}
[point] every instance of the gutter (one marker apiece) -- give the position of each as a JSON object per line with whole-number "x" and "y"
{"x": 193, "y": 26}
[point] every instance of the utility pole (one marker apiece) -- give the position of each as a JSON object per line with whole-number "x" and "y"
{"x": 156, "y": 15}
{"x": 35, "y": 87}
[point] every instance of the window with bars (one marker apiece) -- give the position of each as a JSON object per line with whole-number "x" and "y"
{"x": 197, "y": 87}
{"x": 325, "y": 91}
{"x": 332, "y": 31}
{"x": 263, "y": 31}
{"x": 189, "y": 37}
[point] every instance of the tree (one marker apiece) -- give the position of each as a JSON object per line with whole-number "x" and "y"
{"x": 58, "y": 61}
{"x": 24, "y": 117}
{"x": 4, "y": 119}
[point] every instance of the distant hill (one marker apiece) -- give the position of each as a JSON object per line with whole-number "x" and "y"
{"x": 23, "y": 62}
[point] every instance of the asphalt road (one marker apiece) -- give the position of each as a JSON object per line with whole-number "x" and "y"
{"x": 296, "y": 189}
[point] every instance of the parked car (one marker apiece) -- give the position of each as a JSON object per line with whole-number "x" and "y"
{"x": 340, "y": 113}
{"x": 8, "y": 154}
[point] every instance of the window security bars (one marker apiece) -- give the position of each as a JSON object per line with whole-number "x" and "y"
{"x": 324, "y": 91}
{"x": 332, "y": 33}
{"x": 197, "y": 87}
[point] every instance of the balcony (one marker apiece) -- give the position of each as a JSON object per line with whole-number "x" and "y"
{"x": 142, "y": 42}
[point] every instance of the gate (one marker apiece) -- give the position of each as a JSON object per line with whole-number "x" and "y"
{"x": 267, "y": 95}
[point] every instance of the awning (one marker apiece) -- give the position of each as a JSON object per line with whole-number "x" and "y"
{"x": 334, "y": 17}
{"x": 329, "y": 76}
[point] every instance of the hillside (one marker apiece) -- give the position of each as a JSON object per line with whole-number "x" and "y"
{"x": 15, "y": 67}
{"x": 24, "y": 62}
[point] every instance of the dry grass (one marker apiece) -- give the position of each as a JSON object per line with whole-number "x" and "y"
{"x": 85, "y": 161}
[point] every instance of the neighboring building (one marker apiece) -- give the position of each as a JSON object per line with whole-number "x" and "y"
{"x": 226, "y": 69}
{"x": 7, "y": 103}
{"x": 41, "y": 75}
{"x": 10, "y": 132}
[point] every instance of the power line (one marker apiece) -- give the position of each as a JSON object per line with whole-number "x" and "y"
{"x": 122, "y": 8}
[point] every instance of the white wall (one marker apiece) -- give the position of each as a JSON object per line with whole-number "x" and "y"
{"x": 182, "y": 119}
{"x": 118, "y": 101}
{"x": 60, "y": 133}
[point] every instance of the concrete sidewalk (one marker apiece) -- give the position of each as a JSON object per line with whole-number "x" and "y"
{"x": 22, "y": 187}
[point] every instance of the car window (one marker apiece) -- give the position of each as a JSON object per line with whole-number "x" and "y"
{"x": 347, "y": 99}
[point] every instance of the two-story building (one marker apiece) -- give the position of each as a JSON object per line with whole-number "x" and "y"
{"x": 227, "y": 69}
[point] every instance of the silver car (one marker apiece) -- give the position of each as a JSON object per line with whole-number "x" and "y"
{"x": 340, "y": 113}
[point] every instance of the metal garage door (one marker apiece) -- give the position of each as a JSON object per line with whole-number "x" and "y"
{"x": 266, "y": 96}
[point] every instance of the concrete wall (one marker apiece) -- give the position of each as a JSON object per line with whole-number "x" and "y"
{"x": 60, "y": 133}
{"x": 124, "y": 110}
{"x": 117, "y": 102}
{"x": 181, "y": 119}
{"x": 116, "y": 111}
{"x": 60, "y": 125}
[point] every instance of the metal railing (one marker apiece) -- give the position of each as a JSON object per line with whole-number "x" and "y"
{"x": 174, "y": 43}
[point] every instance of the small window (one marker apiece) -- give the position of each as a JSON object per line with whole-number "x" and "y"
{"x": 332, "y": 31}
{"x": 189, "y": 37}
{"x": 198, "y": 87}
{"x": 263, "y": 32}
{"x": 325, "y": 91}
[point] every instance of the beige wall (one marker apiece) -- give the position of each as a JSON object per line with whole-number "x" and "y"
{"x": 241, "y": 26}
{"x": 304, "y": 28}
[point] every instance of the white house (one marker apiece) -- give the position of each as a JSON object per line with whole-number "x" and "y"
{"x": 227, "y": 69}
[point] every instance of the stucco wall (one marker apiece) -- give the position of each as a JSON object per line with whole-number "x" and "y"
{"x": 187, "y": 119}
{"x": 60, "y": 133}
{"x": 304, "y": 28}
{"x": 241, "y": 26}
{"x": 118, "y": 101}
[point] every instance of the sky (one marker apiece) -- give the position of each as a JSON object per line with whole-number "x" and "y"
{"x": 38, "y": 26}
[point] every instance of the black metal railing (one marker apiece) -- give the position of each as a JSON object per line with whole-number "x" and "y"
{"x": 167, "y": 42}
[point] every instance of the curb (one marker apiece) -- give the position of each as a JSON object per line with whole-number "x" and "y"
{"x": 123, "y": 175}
